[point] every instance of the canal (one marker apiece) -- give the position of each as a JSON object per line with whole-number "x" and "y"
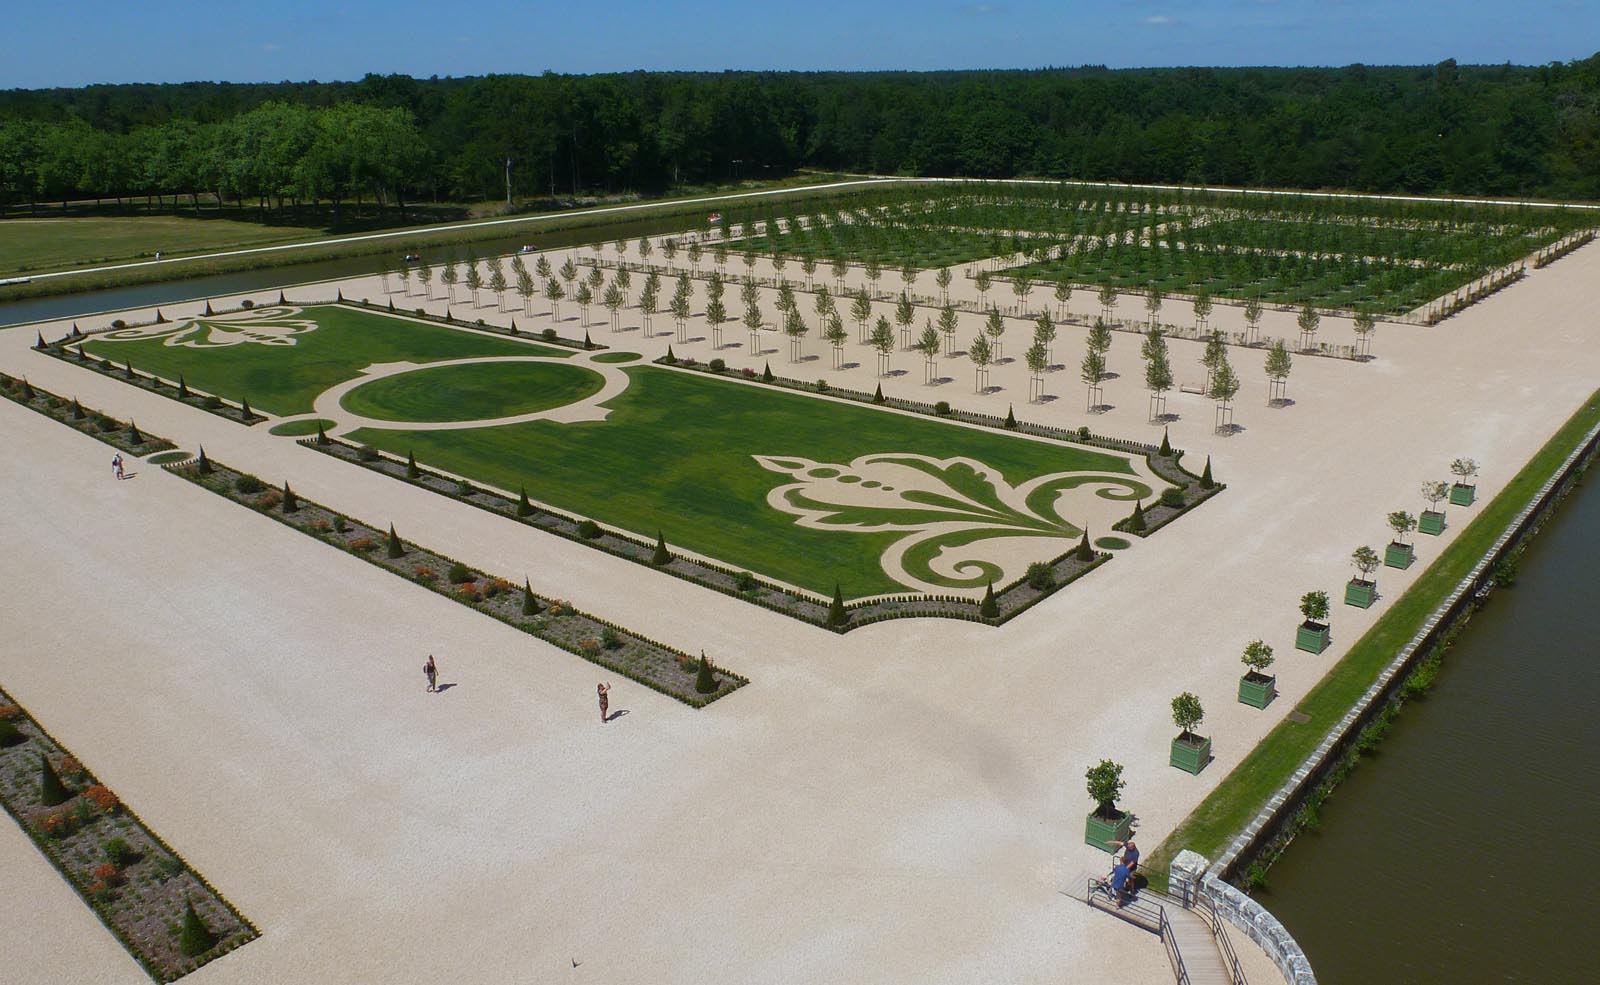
{"x": 1465, "y": 851}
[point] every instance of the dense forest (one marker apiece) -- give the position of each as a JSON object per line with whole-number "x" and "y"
{"x": 1473, "y": 130}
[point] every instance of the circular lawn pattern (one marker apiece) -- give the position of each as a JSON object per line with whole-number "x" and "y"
{"x": 616, "y": 357}
{"x": 473, "y": 391}
{"x": 1111, "y": 543}
{"x": 301, "y": 428}
{"x": 168, "y": 457}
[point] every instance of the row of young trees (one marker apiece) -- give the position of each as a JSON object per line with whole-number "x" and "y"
{"x": 1494, "y": 130}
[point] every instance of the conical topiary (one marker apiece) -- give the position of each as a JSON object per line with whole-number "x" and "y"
{"x": 766, "y": 373}
{"x": 291, "y": 502}
{"x": 391, "y": 304}
{"x": 194, "y": 938}
{"x": 127, "y": 369}
{"x": 530, "y": 605}
{"x": 837, "y": 614}
{"x": 411, "y": 465}
{"x": 82, "y": 356}
{"x": 877, "y": 395}
{"x": 661, "y": 555}
{"x": 322, "y": 436}
{"x": 339, "y": 294}
{"x": 134, "y": 437}
{"x": 208, "y": 307}
{"x": 77, "y": 332}
{"x": 160, "y": 318}
{"x": 77, "y": 410}
{"x": 203, "y": 464}
{"x": 51, "y": 790}
{"x": 1011, "y": 417}
{"x": 587, "y": 344}
{"x": 396, "y": 549}
{"x": 447, "y": 315}
{"x": 27, "y": 389}
{"x": 282, "y": 299}
{"x": 39, "y": 344}
{"x": 989, "y": 608}
{"x": 524, "y": 508}
{"x": 1166, "y": 443}
{"x": 670, "y": 359}
{"x": 245, "y": 413}
{"x": 1206, "y": 482}
{"x": 1085, "y": 552}
{"x": 705, "y": 681}
{"x": 513, "y": 326}
{"x": 1136, "y": 520}
{"x": 183, "y": 388}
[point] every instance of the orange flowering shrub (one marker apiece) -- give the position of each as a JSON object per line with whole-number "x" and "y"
{"x": 58, "y": 824}
{"x": 424, "y": 573}
{"x": 589, "y": 645}
{"x": 362, "y": 544}
{"x": 102, "y": 798}
{"x": 320, "y": 526}
{"x": 269, "y": 499}
{"x": 10, "y": 711}
{"x": 107, "y": 872}
{"x": 69, "y": 766}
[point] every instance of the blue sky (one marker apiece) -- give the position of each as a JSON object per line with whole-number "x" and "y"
{"x": 77, "y": 43}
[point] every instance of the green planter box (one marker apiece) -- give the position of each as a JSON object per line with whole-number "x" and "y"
{"x": 1257, "y": 690}
{"x": 1190, "y": 753}
{"x": 1097, "y": 831}
{"x": 1360, "y": 593}
{"x": 1399, "y": 555}
{"x": 1311, "y": 637}
{"x": 1461, "y": 495}
{"x": 1431, "y": 523}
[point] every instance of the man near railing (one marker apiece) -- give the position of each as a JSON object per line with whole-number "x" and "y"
{"x": 1122, "y": 883}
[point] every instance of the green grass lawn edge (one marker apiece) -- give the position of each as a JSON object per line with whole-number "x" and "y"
{"x": 1214, "y": 823}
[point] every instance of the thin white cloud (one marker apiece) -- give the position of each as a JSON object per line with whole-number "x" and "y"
{"x": 1160, "y": 20}
{"x": 269, "y": 46}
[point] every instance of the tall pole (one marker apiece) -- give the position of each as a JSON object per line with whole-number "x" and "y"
{"x": 508, "y": 181}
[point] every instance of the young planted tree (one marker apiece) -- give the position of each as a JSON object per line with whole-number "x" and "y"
{"x": 553, "y": 292}
{"x": 1187, "y": 715}
{"x": 405, "y": 280}
{"x": 1366, "y": 561}
{"x": 947, "y": 327}
{"x": 669, "y": 251}
{"x": 650, "y": 300}
{"x": 1063, "y": 293}
{"x": 1202, "y": 310}
{"x": 882, "y": 339}
{"x": 808, "y": 267}
{"x": 838, "y": 268}
{"x": 928, "y": 345}
{"x": 1432, "y": 519}
{"x": 796, "y": 328}
{"x": 1038, "y": 359}
{"x": 526, "y": 289}
{"x": 1108, "y": 301}
{"x": 717, "y": 315}
{"x": 1463, "y": 491}
{"x": 569, "y": 273}
{"x": 1223, "y": 388}
{"x": 981, "y": 354}
{"x": 1104, "y": 785}
{"x": 645, "y": 248}
{"x": 995, "y": 328}
{"x": 497, "y": 282}
{"x": 385, "y": 268}
{"x": 1157, "y": 372}
{"x": 874, "y": 273}
{"x": 908, "y": 277}
{"x": 984, "y": 281}
{"x": 541, "y": 267}
{"x": 584, "y": 297}
{"x": 1216, "y": 350}
{"x": 1314, "y": 607}
{"x": 1400, "y": 552}
{"x": 943, "y": 278}
{"x": 861, "y": 310}
{"x": 1309, "y": 321}
{"x": 1257, "y": 688}
{"x": 1366, "y": 324}
{"x": 904, "y": 315}
{"x": 450, "y": 277}
{"x": 754, "y": 322}
{"x": 695, "y": 253}
{"x": 822, "y": 303}
{"x": 681, "y": 306}
{"x": 1094, "y": 375}
{"x": 1258, "y": 657}
{"x": 1252, "y": 320}
{"x": 837, "y": 336}
{"x": 425, "y": 278}
{"x": 612, "y": 299}
{"x": 1279, "y": 363}
{"x": 1022, "y": 287}
{"x": 1152, "y": 303}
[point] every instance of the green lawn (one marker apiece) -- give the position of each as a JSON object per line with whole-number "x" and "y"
{"x": 473, "y": 392}
{"x": 51, "y": 244}
{"x": 285, "y": 379}
{"x": 676, "y": 453}
{"x": 1237, "y": 799}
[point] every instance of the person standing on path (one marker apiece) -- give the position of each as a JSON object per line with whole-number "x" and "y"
{"x": 431, "y": 671}
{"x": 604, "y": 690}
{"x": 1130, "y": 853}
{"x": 116, "y": 465}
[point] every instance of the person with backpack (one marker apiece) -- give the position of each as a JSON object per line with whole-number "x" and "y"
{"x": 430, "y": 670}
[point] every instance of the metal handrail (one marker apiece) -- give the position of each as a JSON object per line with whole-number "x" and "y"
{"x": 1219, "y": 931}
{"x": 1149, "y": 911}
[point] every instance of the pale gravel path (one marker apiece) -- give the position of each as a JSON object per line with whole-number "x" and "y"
{"x": 899, "y": 804}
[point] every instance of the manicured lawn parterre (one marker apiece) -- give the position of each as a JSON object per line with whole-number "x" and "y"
{"x": 677, "y": 454}
{"x": 285, "y": 379}
{"x": 50, "y": 243}
{"x": 300, "y": 429}
{"x": 1223, "y": 814}
{"x": 472, "y": 392}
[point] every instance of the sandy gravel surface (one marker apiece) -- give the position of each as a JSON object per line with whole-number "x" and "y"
{"x": 901, "y": 804}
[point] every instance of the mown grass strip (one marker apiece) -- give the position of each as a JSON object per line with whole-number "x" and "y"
{"x": 1221, "y": 816}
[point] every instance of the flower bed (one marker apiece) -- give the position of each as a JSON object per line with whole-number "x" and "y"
{"x": 113, "y": 432}
{"x": 138, "y": 886}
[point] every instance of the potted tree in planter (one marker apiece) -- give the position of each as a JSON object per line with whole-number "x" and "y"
{"x": 1400, "y": 554}
{"x": 1190, "y": 752}
{"x": 1462, "y": 491}
{"x": 1106, "y": 824}
{"x": 1257, "y": 688}
{"x": 1431, "y": 521}
{"x": 1362, "y": 589}
{"x": 1312, "y": 635}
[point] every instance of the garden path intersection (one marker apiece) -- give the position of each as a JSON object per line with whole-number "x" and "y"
{"x": 899, "y": 804}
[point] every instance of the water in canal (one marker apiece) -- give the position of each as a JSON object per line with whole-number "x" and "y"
{"x": 1466, "y": 851}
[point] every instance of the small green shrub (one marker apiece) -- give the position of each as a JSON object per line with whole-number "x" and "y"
{"x": 339, "y": 524}
{"x": 610, "y": 638}
{"x": 1084, "y": 433}
{"x": 744, "y": 581}
{"x": 367, "y": 453}
{"x": 1041, "y": 576}
{"x": 549, "y": 335}
{"x": 661, "y": 555}
{"x": 211, "y": 402}
{"x": 119, "y": 852}
{"x": 168, "y": 866}
{"x": 705, "y": 680}
{"x": 717, "y": 365}
{"x": 51, "y": 790}
{"x": 464, "y": 488}
{"x": 460, "y": 573}
{"x": 588, "y": 530}
{"x": 942, "y": 408}
{"x": 1172, "y": 496}
{"x": 989, "y": 608}
{"x": 395, "y": 548}
{"x": 195, "y": 938}
{"x": 248, "y": 485}
{"x": 838, "y": 615}
{"x": 10, "y": 735}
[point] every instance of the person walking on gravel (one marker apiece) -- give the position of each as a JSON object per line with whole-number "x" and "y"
{"x": 431, "y": 671}
{"x": 116, "y": 465}
{"x": 604, "y": 690}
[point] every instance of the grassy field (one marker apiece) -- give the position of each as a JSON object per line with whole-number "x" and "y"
{"x": 285, "y": 379}
{"x": 1237, "y": 799}
{"x": 29, "y": 244}
{"x": 676, "y": 455}
{"x": 473, "y": 392}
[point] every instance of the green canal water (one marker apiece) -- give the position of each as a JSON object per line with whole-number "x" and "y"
{"x": 1467, "y": 850}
